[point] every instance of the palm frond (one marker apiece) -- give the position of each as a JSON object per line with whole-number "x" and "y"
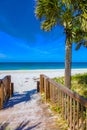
{"x": 48, "y": 24}
{"x": 84, "y": 43}
{"x": 68, "y": 13}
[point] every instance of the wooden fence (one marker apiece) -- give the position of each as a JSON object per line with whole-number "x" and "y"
{"x": 6, "y": 90}
{"x": 73, "y": 107}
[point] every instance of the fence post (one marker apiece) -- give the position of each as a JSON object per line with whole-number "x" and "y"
{"x": 47, "y": 89}
{"x": 41, "y": 84}
{"x": 8, "y": 85}
{"x": 38, "y": 86}
{"x": 1, "y": 95}
{"x": 11, "y": 89}
{"x": 74, "y": 106}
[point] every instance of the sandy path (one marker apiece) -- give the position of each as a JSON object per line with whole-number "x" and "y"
{"x": 24, "y": 111}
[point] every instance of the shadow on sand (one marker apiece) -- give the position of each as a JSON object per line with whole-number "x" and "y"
{"x": 19, "y": 98}
{"x": 22, "y": 126}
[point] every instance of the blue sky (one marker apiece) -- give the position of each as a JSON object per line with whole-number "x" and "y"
{"x": 21, "y": 38}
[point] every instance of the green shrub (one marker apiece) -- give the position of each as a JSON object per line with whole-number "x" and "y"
{"x": 78, "y": 83}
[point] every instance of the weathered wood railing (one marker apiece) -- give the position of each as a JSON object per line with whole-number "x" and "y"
{"x": 73, "y": 107}
{"x": 6, "y": 90}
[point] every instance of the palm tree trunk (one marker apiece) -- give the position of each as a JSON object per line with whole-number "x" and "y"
{"x": 68, "y": 61}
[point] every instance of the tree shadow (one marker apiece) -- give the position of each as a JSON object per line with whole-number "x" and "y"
{"x": 23, "y": 125}
{"x": 19, "y": 98}
{"x": 3, "y": 126}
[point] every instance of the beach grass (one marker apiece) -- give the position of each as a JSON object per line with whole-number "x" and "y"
{"x": 78, "y": 83}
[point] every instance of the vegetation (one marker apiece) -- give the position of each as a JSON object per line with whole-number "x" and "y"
{"x": 60, "y": 122}
{"x": 69, "y": 106}
{"x": 78, "y": 83}
{"x": 72, "y": 16}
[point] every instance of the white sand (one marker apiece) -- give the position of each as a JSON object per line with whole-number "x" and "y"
{"x": 20, "y": 78}
{"x": 49, "y": 72}
{"x": 23, "y": 109}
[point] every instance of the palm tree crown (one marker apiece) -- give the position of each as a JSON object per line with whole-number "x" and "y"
{"x": 69, "y": 14}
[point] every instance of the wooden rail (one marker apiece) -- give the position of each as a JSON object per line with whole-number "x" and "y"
{"x": 73, "y": 107}
{"x": 6, "y": 90}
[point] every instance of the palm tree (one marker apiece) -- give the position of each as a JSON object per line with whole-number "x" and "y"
{"x": 60, "y": 12}
{"x": 80, "y": 36}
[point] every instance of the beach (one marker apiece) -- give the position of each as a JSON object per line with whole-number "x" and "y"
{"x": 24, "y": 109}
{"x": 26, "y": 79}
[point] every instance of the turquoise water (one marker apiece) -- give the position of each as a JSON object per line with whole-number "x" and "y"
{"x": 38, "y": 65}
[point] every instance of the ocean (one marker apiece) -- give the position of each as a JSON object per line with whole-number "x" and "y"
{"x": 39, "y": 65}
